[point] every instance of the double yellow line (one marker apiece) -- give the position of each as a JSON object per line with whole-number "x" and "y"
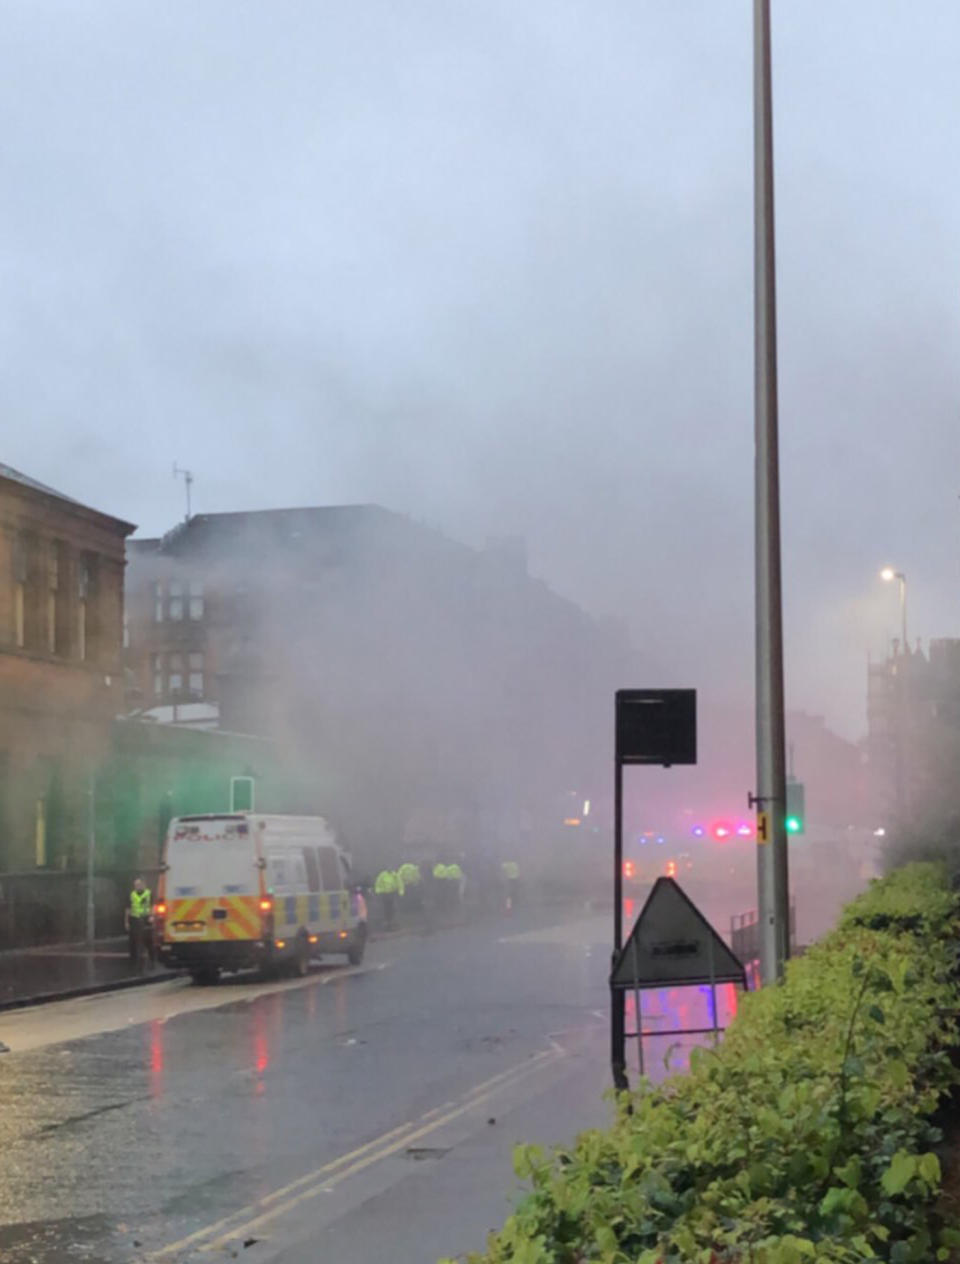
{"x": 252, "y": 1218}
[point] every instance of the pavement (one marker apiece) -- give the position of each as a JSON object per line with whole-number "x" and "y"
{"x": 361, "y": 1114}
{"x": 28, "y": 975}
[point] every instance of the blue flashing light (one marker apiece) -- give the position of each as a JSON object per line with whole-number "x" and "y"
{"x": 698, "y": 831}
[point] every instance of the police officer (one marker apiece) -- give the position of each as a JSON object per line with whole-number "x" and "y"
{"x": 409, "y": 874}
{"x": 137, "y": 920}
{"x": 457, "y": 883}
{"x": 386, "y": 887}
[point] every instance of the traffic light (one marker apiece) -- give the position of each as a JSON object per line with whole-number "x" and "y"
{"x": 796, "y": 821}
{"x": 629, "y": 869}
{"x": 671, "y": 868}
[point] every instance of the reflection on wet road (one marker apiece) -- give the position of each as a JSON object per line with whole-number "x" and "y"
{"x": 138, "y": 1120}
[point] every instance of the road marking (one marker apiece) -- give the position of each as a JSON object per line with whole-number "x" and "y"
{"x": 214, "y": 1236}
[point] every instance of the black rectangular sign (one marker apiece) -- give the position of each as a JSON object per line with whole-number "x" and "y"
{"x": 657, "y": 726}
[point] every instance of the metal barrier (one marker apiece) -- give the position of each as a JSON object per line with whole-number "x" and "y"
{"x": 48, "y": 906}
{"x": 745, "y": 941}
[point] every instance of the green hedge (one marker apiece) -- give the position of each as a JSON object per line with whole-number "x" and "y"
{"x": 806, "y": 1136}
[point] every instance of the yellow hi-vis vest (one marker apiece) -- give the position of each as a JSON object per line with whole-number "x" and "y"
{"x": 140, "y": 903}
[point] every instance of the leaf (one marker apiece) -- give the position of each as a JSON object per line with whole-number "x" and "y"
{"x": 877, "y": 1014}
{"x": 897, "y": 1073}
{"x": 856, "y": 968}
{"x": 928, "y": 1167}
{"x": 851, "y": 1171}
{"x": 902, "y": 1170}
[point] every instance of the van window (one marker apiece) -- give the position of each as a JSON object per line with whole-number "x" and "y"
{"x": 330, "y": 869}
{"x": 313, "y": 869}
{"x": 299, "y": 877}
{"x": 278, "y": 873}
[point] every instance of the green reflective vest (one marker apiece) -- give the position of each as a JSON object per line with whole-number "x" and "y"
{"x": 439, "y": 871}
{"x": 510, "y": 869}
{"x": 454, "y": 872}
{"x": 386, "y": 883}
{"x": 409, "y": 874}
{"x": 140, "y": 903}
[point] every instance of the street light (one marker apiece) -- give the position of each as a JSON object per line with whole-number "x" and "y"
{"x": 888, "y": 575}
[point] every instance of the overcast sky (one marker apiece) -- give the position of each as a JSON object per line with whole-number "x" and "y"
{"x": 489, "y": 263}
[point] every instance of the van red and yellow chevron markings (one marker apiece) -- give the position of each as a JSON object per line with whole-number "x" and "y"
{"x": 241, "y": 922}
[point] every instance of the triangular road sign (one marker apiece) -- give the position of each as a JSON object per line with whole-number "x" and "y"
{"x": 671, "y": 944}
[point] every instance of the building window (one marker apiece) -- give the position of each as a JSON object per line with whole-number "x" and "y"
{"x": 158, "y": 603}
{"x": 196, "y": 599}
{"x": 19, "y": 590}
{"x": 157, "y": 685}
{"x": 176, "y": 682}
{"x": 83, "y": 593}
{"x": 196, "y": 682}
{"x": 175, "y": 605}
{"x": 53, "y": 588}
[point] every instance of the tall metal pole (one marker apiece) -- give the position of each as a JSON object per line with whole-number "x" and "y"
{"x": 903, "y": 607}
{"x": 91, "y": 850}
{"x": 618, "y": 1058}
{"x": 772, "y": 878}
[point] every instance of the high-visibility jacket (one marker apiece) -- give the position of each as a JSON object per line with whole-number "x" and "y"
{"x": 454, "y": 873}
{"x": 386, "y": 883}
{"x": 140, "y": 903}
{"x": 510, "y": 870}
{"x": 409, "y": 874}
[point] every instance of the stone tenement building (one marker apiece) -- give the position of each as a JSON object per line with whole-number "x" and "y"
{"x": 61, "y": 672}
{"x": 432, "y": 692}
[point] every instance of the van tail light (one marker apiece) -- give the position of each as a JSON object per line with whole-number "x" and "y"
{"x": 266, "y": 917}
{"x": 160, "y": 909}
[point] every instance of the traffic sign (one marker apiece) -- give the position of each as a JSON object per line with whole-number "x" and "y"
{"x": 673, "y": 944}
{"x": 656, "y": 726}
{"x": 763, "y": 827}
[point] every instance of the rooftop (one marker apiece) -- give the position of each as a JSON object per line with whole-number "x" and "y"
{"x": 15, "y": 476}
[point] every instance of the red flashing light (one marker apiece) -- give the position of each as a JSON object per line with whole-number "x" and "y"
{"x": 671, "y": 868}
{"x": 160, "y": 909}
{"x": 266, "y": 906}
{"x": 721, "y": 830}
{"x": 629, "y": 869}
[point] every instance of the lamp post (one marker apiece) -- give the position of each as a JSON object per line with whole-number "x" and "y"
{"x": 888, "y": 575}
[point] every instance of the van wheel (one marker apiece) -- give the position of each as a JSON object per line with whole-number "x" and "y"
{"x": 358, "y": 946}
{"x": 301, "y": 964}
{"x": 206, "y": 977}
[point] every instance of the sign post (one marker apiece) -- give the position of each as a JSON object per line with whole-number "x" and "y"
{"x": 652, "y": 726}
{"x": 673, "y": 945}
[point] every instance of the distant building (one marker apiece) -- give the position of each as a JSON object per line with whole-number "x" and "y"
{"x": 61, "y": 670}
{"x": 420, "y": 679}
{"x": 832, "y": 769}
{"x": 913, "y": 729}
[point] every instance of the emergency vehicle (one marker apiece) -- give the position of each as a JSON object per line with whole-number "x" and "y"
{"x": 244, "y": 889}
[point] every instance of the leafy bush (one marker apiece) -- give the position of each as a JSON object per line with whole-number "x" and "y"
{"x": 806, "y": 1136}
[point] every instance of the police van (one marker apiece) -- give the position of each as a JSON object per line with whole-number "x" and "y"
{"x": 244, "y": 889}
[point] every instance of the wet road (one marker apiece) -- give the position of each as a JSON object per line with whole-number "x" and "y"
{"x": 282, "y": 1122}
{"x": 130, "y": 1122}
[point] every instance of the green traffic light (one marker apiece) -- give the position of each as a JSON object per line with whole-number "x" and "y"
{"x": 793, "y": 825}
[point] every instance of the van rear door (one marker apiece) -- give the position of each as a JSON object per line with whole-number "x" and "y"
{"x": 212, "y": 881}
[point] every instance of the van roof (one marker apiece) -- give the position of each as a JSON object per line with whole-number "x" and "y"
{"x": 274, "y": 820}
